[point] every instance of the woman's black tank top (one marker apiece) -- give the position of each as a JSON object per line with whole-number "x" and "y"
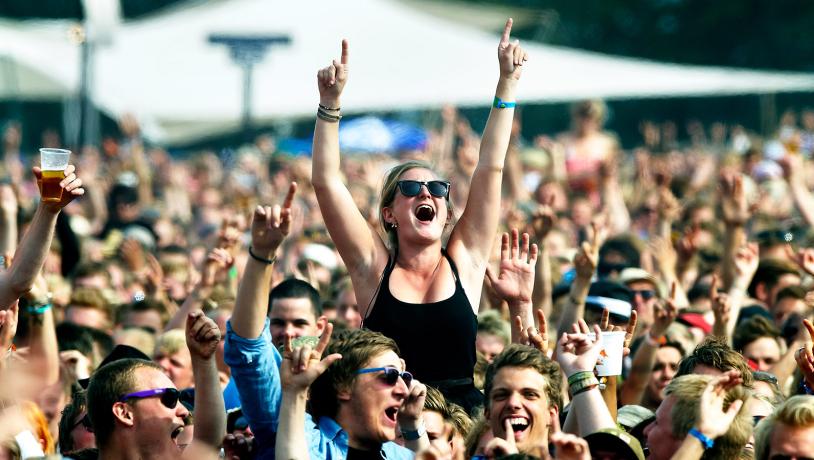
{"x": 437, "y": 340}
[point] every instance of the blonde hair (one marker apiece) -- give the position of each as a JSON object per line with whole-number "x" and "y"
{"x": 170, "y": 342}
{"x": 687, "y": 391}
{"x": 797, "y": 411}
{"x": 389, "y": 190}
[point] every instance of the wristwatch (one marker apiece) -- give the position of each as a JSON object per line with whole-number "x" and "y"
{"x": 412, "y": 435}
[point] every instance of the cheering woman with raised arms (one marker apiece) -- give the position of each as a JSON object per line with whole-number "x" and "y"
{"x": 411, "y": 288}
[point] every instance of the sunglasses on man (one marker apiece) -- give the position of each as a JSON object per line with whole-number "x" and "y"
{"x": 169, "y": 396}
{"x": 437, "y": 188}
{"x": 646, "y": 294}
{"x": 390, "y": 375}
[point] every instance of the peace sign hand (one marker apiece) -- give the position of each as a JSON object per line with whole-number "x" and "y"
{"x": 510, "y": 55}
{"x": 331, "y": 80}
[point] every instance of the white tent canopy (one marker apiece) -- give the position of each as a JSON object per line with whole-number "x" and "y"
{"x": 180, "y": 86}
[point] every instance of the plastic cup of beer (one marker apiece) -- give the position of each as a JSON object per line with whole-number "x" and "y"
{"x": 611, "y": 354}
{"x": 53, "y": 163}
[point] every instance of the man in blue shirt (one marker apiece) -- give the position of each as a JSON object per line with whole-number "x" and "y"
{"x": 255, "y": 362}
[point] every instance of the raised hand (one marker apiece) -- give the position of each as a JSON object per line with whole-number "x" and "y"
{"x": 734, "y": 207}
{"x": 331, "y": 80}
{"x": 712, "y": 420}
{"x": 270, "y": 225}
{"x": 203, "y": 335}
{"x": 515, "y": 283}
{"x": 665, "y": 314}
{"x": 578, "y": 352}
{"x": 71, "y": 188}
{"x": 804, "y": 258}
{"x": 746, "y": 261}
{"x": 721, "y": 307}
{"x": 630, "y": 329}
{"x": 530, "y": 335}
{"x": 805, "y": 356}
{"x": 510, "y": 55}
{"x": 544, "y": 219}
{"x": 587, "y": 258}
{"x": 219, "y": 260}
{"x": 302, "y": 365}
{"x": 8, "y": 325}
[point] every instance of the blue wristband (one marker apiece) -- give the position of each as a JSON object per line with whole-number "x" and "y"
{"x": 705, "y": 441}
{"x": 38, "y": 310}
{"x": 501, "y": 104}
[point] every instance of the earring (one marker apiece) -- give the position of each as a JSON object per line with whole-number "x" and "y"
{"x": 395, "y": 225}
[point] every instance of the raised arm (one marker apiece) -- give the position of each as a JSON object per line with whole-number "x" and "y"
{"x": 585, "y": 263}
{"x": 37, "y": 241}
{"x": 300, "y": 367}
{"x": 358, "y": 243}
{"x": 203, "y": 337}
{"x": 269, "y": 227}
{"x": 515, "y": 282}
{"x": 480, "y": 218}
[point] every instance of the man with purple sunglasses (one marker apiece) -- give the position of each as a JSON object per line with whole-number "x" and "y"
{"x": 135, "y": 409}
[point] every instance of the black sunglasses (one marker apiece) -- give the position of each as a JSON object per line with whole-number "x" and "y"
{"x": 390, "y": 375}
{"x": 646, "y": 294}
{"x": 85, "y": 422}
{"x": 437, "y": 188}
{"x": 169, "y": 396}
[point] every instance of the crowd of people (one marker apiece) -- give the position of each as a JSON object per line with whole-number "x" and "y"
{"x": 448, "y": 303}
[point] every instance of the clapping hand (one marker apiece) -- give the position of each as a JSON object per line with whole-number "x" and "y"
{"x": 510, "y": 55}
{"x": 302, "y": 365}
{"x": 331, "y": 80}
{"x": 270, "y": 225}
{"x": 203, "y": 335}
{"x": 515, "y": 282}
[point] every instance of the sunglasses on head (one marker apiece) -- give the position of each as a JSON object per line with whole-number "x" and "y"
{"x": 169, "y": 396}
{"x": 390, "y": 375}
{"x": 437, "y": 188}
{"x": 646, "y": 294}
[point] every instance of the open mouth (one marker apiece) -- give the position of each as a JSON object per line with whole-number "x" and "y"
{"x": 424, "y": 213}
{"x": 519, "y": 425}
{"x": 176, "y": 432}
{"x": 392, "y": 413}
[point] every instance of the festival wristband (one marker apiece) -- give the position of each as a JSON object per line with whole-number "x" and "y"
{"x": 501, "y": 104}
{"x": 39, "y": 309}
{"x": 705, "y": 441}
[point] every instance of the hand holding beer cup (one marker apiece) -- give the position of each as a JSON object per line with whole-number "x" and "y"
{"x": 58, "y": 183}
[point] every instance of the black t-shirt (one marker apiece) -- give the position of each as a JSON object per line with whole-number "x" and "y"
{"x": 356, "y": 454}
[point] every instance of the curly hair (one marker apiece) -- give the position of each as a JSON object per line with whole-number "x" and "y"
{"x": 714, "y": 352}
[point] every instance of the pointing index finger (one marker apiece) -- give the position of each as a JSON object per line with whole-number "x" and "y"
{"x": 289, "y": 198}
{"x": 344, "y": 58}
{"x": 504, "y": 40}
